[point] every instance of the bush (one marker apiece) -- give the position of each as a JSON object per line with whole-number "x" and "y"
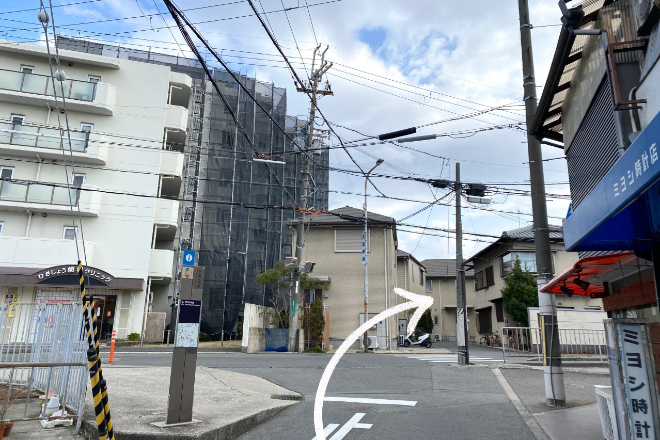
{"x": 134, "y": 337}
{"x": 317, "y": 349}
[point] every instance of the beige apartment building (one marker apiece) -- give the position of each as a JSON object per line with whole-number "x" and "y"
{"x": 335, "y": 245}
{"x": 494, "y": 263}
{"x": 441, "y": 285}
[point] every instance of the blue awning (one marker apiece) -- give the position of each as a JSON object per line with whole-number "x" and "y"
{"x": 619, "y": 212}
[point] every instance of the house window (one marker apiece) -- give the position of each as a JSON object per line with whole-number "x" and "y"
{"x": 421, "y": 277}
{"x": 349, "y": 240}
{"x": 27, "y": 69}
{"x": 70, "y": 232}
{"x": 499, "y": 310}
{"x": 93, "y": 79}
{"x": 2, "y": 226}
{"x": 87, "y": 127}
{"x": 484, "y": 278}
{"x": 507, "y": 262}
{"x": 17, "y": 119}
{"x": 435, "y": 320}
{"x": 429, "y": 285}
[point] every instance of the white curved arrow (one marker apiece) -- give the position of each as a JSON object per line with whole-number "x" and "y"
{"x": 420, "y": 302}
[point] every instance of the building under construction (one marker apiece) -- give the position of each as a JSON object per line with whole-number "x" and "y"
{"x": 233, "y": 243}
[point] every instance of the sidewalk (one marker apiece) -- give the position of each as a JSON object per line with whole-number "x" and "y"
{"x": 228, "y": 404}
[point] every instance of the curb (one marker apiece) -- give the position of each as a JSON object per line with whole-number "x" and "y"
{"x": 229, "y": 432}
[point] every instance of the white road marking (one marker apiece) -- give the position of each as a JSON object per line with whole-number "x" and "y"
{"x": 419, "y": 302}
{"x": 351, "y": 424}
{"x": 329, "y": 429}
{"x": 371, "y": 401}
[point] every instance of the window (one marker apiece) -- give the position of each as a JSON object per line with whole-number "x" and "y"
{"x": 484, "y": 278}
{"x": 77, "y": 182}
{"x": 507, "y": 262}
{"x": 435, "y": 320}
{"x": 421, "y": 277}
{"x": 93, "y": 79}
{"x": 499, "y": 310}
{"x": 429, "y": 285}
{"x": 27, "y": 69}
{"x": 2, "y": 226}
{"x": 349, "y": 240}
{"x": 484, "y": 321}
{"x": 70, "y": 232}
{"x": 17, "y": 119}
{"x": 87, "y": 127}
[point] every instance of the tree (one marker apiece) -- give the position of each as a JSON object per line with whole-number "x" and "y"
{"x": 425, "y": 324}
{"x": 520, "y": 293}
{"x": 315, "y": 322}
{"x": 278, "y": 280}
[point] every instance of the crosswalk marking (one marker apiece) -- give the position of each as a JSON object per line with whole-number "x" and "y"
{"x": 451, "y": 358}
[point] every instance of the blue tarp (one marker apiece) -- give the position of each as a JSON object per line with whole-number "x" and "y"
{"x": 277, "y": 339}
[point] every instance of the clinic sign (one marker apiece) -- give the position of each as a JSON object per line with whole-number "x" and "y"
{"x": 634, "y": 385}
{"x": 58, "y": 271}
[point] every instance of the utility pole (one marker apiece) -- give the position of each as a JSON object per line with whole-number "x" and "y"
{"x": 365, "y": 249}
{"x": 461, "y": 306}
{"x": 295, "y": 321}
{"x": 552, "y": 367}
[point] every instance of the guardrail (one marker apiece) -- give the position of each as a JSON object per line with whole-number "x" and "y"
{"x": 35, "y": 193}
{"x": 528, "y": 342}
{"x": 43, "y": 137}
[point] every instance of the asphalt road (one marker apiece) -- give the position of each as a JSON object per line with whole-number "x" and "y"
{"x": 451, "y": 402}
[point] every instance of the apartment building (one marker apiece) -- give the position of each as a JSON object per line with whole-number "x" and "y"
{"x": 122, "y": 115}
{"x": 441, "y": 285}
{"x": 234, "y": 243}
{"x": 334, "y": 243}
{"x": 494, "y": 263}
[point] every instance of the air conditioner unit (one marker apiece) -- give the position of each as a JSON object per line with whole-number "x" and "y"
{"x": 373, "y": 342}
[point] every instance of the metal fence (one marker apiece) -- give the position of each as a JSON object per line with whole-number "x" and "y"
{"x": 43, "y": 349}
{"x": 576, "y": 343}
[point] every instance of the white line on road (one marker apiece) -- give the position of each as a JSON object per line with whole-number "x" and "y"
{"x": 329, "y": 429}
{"x": 372, "y": 401}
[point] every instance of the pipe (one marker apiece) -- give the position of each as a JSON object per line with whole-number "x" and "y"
{"x": 387, "y": 291}
{"x": 48, "y": 115}
{"x": 632, "y": 111}
{"x": 27, "y": 229}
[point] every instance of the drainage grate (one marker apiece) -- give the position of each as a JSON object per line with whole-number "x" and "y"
{"x": 287, "y": 397}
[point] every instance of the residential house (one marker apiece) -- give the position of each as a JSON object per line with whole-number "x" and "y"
{"x": 334, "y": 243}
{"x": 495, "y": 262}
{"x": 110, "y": 167}
{"x": 441, "y": 285}
{"x": 410, "y": 276}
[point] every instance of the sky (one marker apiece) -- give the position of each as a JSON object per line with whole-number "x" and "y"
{"x": 396, "y": 65}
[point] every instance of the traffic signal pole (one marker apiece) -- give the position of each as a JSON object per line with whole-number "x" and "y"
{"x": 552, "y": 366}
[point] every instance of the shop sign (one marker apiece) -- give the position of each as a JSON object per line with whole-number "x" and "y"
{"x": 11, "y": 300}
{"x": 59, "y": 271}
{"x": 633, "y": 378}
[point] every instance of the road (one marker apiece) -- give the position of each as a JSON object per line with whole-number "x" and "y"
{"x": 450, "y": 402}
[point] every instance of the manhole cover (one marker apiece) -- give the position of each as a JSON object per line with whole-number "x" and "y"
{"x": 573, "y": 385}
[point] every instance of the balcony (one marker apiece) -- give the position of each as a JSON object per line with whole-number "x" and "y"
{"x": 26, "y": 196}
{"x": 41, "y": 252}
{"x": 176, "y": 118}
{"x": 32, "y": 89}
{"x": 171, "y": 163}
{"x": 167, "y": 212}
{"x": 161, "y": 263}
{"x": 47, "y": 143}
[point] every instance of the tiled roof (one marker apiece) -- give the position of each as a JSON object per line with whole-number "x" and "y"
{"x": 441, "y": 268}
{"x": 404, "y": 254}
{"x": 354, "y": 216}
{"x": 527, "y": 233}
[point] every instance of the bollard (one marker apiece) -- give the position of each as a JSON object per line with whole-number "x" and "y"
{"x": 112, "y": 345}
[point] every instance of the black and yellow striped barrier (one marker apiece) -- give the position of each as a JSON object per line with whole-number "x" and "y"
{"x": 99, "y": 390}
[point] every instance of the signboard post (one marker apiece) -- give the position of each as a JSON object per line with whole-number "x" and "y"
{"x": 184, "y": 357}
{"x": 634, "y": 384}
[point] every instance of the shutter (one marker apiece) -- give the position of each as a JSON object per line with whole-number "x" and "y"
{"x": 490, "y": 276}
{"x": 594, "y": 149}
{"x": 349, "y": 240}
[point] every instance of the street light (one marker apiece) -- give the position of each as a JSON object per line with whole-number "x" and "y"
{"x": 365, "y": 238}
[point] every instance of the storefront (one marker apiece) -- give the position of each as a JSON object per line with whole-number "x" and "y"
{"x": 114, "y": 305}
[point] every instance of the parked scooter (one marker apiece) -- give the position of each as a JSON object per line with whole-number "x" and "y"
{"x": 423, "y": 340}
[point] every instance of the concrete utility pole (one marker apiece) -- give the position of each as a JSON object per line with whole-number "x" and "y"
{"x": 295, "y": 321}
{"x": 461, "y": 306}
{"x": 553, "y": 372}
